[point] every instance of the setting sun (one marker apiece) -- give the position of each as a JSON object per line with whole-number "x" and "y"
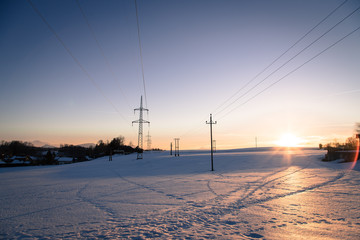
{"x": 289, "y": 140}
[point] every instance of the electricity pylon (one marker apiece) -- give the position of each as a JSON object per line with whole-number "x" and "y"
{"x": 211, "y": 123}
{"x": 148, "y": 141}
{"x": 177, "y": 151}
{"x": 140, "y": 121}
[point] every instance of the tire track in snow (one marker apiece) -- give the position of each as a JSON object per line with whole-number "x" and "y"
{"x": 250, "y": 184}
{"x": 239, "y": 204}
{"x": 206, "y": 222}
{"x": 210, "y": 189}
{"x": 111, "y": 217}
{"x": 209, "y": 218}
{"x": 203, "y": 219}
{"x": 173, "y": 223}
{"x": 220, "y": 197}
{"x": 261, "y": 186}
{"x": 149, "y": 188}
{"x": 72, "y": 203}
{"x": 217, "y": 197}
{"x": 40, "y": 210}
{"x": 197, "y": 215}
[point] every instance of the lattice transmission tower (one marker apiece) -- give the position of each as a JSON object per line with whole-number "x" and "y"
{"x": 140, "y": 121}
{"x": 148, "y": 141}
{"x": 177, "y": 147}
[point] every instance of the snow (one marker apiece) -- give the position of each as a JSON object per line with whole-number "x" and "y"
{"x": 266, "y": 194}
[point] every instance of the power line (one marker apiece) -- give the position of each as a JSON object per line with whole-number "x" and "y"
{"x": 297, "y": 68}
{"x": 300, "y": 66}
{"x": 73, "y": 57}
{"x": 301, "y": 51}
{"x": 102, "y": 51}
{"x": 140, "y": 49}
{"x": 196, "y": 128}
{"x": 292, "y": 46}
{"x": 292, "y": 71}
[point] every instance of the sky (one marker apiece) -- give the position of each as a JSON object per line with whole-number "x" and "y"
{"x": 78, "y": 77}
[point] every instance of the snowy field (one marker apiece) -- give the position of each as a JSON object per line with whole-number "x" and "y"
{"x": 250, "y": 195}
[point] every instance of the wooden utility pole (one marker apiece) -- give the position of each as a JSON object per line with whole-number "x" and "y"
{"x": 211, "y": 141}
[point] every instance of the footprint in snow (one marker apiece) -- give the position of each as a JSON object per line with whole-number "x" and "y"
{"x": 230, "y": 222}
{"x": 254, "y": 235}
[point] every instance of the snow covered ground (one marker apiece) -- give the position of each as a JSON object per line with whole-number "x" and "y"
{"x": 250, "y": 195}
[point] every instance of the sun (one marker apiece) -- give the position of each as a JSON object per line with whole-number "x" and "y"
{"x": 289, "y": 140}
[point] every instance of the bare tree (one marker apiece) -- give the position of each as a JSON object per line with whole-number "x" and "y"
{"x": 357, "y": 128}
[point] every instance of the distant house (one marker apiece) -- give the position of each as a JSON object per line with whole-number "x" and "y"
{"x": 122, "y": 152}
{"x": 347, "y": 155}
{"x": 65, "y": 160}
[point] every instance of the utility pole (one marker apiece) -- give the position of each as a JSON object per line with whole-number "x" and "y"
{"x": 140, "y": 121}
{"x": 177, "y": 152}
{"x": 211, "y": 141}
{"x": 171, "y": 148}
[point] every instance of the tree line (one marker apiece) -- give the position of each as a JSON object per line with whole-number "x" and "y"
{"x": 27, "y": 151}
{"x": 347, "y": 151}
{"x": 349, "y": 144}
{"x": 111, "y": 147}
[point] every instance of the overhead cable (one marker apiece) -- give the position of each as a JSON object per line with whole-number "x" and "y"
{"x": 292, "y": 46}
{"x": 140, "y": 49}
{"x": 292, "y": 71}
{"x": 74, "y": 58}
{"x": 102, "y": 51}
{"x": 275, "y": 60}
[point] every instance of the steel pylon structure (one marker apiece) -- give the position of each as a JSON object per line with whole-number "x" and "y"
{"x": 177, "y": 147}
{"x": 140, "y": 121}
{"x": 148, "y": 141}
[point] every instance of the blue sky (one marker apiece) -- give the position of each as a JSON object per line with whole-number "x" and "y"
{"x": 196, "y": 54}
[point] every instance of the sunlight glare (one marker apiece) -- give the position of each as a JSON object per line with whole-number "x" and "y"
{"x": 289, "y": 140}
